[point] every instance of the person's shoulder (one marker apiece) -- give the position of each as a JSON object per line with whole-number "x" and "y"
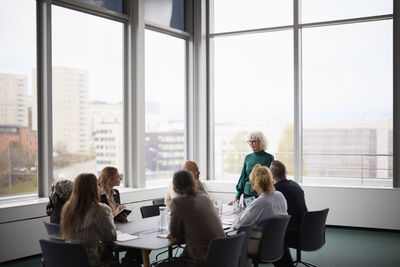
{"x": 116, "y": 191}
{"x": 103, "y": 207}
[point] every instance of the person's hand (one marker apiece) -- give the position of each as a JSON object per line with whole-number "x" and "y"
{"x": 172, "y": 239}
{"x": 118, "y": 209}
{"x": 233, "y": 201}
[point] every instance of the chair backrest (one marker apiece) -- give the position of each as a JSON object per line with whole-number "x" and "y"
{"x": 52, "y": 228}
{"x": 273, "y": 238}
{"x": 158, "y": 201}
{"x": 224, "y": 251}
{"x": 150, "y": 211}
{"x": 57, "y": 253}
{"x": 312, "y": 230}
{"x": 245, "y": 244}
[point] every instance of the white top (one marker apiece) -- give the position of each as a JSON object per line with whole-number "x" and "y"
{"x": 266, "y": 206}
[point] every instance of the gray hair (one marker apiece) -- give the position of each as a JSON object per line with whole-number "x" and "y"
{"x": 259, "y": 136}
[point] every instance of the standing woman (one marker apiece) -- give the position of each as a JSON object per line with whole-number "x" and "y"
{"x": 85, "y": 220}
{"x": 258, "y": 143}
{"x": 109, "y": 177}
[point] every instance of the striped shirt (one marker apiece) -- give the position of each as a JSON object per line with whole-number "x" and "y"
{"x": 98, "y": 225}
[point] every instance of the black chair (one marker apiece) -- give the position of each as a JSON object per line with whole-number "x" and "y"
{"x": 243, "y": 253}
{"x": 224, "y": 251}
{"x": 159, "y": 201}
{"x": 150, "y": 211}
{"x": 272, "y": 240}
{"x": 52, "y": 228}
{"x": 311, "y": 235}
{"x": 57, "y": 253}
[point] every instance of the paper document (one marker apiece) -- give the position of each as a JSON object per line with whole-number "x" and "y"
{"x": 162, "y": 235}
{"x": 125, "y": 236}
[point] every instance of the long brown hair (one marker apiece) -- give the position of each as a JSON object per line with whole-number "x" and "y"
{"x": 84, "y": 195}
{"x": 106, "y": 175}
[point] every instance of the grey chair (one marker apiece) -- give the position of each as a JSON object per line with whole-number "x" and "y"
{"x": 150, "y": 211}
{"x": 52, "y": 228}
{"x": 224, "y": 251}
{"x": 311, "y": 235}
{"x": 272, "y": 240}
{"x": 159, "y": 201}
{"x": 57, "y": 253}
{"x": 243, "y": 253}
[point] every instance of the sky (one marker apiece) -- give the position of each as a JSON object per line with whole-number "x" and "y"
{"x": 350, "y": 64}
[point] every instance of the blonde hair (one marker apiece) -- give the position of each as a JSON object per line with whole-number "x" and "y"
{"x": 259, "y": 136}
{"x": 106, "y": 175}
{"x": 261, "y": 179}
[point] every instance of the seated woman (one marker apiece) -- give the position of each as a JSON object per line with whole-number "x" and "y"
{"x": 60, "y": 193}
{"x": 109, "y": 177}
{"x": 270, "y": 203}
{"x": 194, "y": 220}
{"x": 85, "y": 220}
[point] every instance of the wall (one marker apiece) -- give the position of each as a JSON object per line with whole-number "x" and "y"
{"x": 21, "y": 226}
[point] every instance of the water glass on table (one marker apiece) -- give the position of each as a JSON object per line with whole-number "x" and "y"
{"x": 218, "y": 206}
{"x": 163, "y": 223}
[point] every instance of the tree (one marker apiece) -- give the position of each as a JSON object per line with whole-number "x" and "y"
{"x": 285, "y": 151}
{"x": 236, "y": 153}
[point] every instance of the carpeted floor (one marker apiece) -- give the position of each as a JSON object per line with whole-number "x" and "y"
{"x": 344, "y": 247}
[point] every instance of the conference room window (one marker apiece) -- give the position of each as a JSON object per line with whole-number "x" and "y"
{"x": 252, "y": 83}
{"x": 348, "y": 104}
{"x": 18, "y": 125}
{"x": 87, "y": 93}
{"x": 165, "y": 77}
{"x": 317, "y": 10}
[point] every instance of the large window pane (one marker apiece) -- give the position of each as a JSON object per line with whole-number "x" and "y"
{"x": 165, "y": 109}
{"x": 253, "y": 90}
{"x": 87, "y": 93}
{"x": 348, "y": 96}
{"x": 235, "y": 15}
{"x": 18, "y": 130}
{"x": 321, "y": 10}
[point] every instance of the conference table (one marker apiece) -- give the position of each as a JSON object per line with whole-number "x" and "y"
{"x": 147, "y": 231}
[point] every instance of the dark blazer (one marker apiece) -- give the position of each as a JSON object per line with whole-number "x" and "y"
{"x": 103, "y": 198}
{"x": 295, "y": 201}
{"x": 194, "y": 221}
{"x": 55, "y": 216}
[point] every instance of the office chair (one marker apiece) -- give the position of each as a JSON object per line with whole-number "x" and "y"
{"x": 224, "y": 251}
{"x": 52, "y": 228}
{"x": 159, "y": 201}
{"x": 150, "y": 211}
{"x": 311, "y": 235}
{"x": 272, "y": 240}
{"x": 243, "y": 252}
{"x": 57, "y": 253}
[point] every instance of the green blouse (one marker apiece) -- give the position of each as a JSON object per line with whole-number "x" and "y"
{"x": 244, "y": 186}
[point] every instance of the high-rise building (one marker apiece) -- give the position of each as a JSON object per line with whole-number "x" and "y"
{"x": 70, "y": 110}
{"x": 107, "y": 134}
{"x": 13, "y": 100}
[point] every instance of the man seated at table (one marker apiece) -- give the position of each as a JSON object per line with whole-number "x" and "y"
{"x": 296, "y": 206}
{"x": 191, "y": 167}
{"x": 194, "y": 220}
